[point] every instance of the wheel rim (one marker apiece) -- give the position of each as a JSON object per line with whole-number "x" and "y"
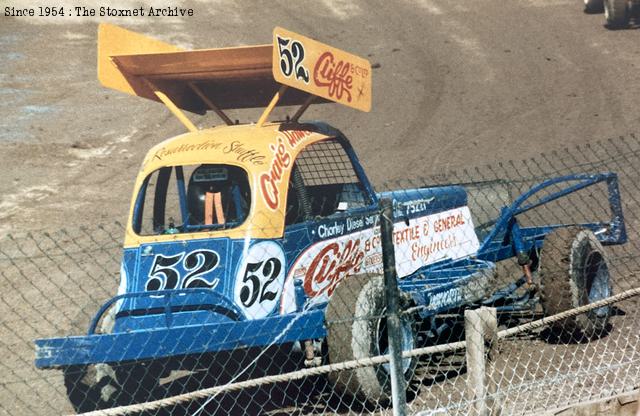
{"x": 408, "y": 341}
{"x": 597, "y": 281}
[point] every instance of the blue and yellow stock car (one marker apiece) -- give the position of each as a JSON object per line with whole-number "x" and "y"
{"x": 244, "y": 236}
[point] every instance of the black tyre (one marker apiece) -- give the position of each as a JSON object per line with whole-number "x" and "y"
{"x": 102, "y": 386}
{"x": 356, "y": 329}
{"x": 593, "y": 6}
{"x": 574, "y": 272}
{"x": 617, "y": 13}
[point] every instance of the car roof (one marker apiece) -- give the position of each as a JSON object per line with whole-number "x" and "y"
{"x": 248, "y": 146}
{"x": 261, "y": 151}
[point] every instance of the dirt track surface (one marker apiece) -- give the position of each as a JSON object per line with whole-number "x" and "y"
{"x": 458, "y": 84}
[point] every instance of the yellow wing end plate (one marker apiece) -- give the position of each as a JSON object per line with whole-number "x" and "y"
{"x": 116, "y": 41}
{"x": 321, "y": 70}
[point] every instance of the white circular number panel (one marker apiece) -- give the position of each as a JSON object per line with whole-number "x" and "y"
{"x": 260, "y": 279}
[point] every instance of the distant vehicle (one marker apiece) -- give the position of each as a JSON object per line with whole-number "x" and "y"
{"x": 617, "y": 12}
{"x": 245, "y": 236}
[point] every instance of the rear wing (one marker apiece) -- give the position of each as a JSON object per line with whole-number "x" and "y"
{"x": 232, "y": 78}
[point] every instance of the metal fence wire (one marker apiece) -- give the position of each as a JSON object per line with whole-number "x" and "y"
{"x": 459, "y": 296}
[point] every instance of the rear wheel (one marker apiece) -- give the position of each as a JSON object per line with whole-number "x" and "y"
{"x": 617, "y": 13}
{"x": 357, "y": 329}
{"x": 574, "y": 272}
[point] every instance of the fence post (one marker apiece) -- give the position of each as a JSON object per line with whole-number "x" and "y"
{"x": 398, "y": 389}
{"x": 480, "y": 329}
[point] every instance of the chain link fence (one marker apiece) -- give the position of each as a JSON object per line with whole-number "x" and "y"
{"x": 500, "y": 306}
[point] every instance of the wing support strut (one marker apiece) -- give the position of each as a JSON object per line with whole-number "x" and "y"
{"x": 271, "y": 106}
{"x": 210, "y": 103}
{"x": 172, "y": 107}
{"x": 303, "y": 108}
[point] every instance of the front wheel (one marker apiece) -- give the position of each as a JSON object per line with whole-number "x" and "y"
{"x": 617, "y": 13}
{"x": 356, "y": 329}
{"x": 574, "y": 272}
{"x": 102, "y": 386}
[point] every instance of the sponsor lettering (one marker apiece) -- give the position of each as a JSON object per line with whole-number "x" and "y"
{"x": 354, "y": 223}
{"x": 168, "y": 151}
{"x": 373, "y": 260}
{"x": 407, "y": 234}
{"x": 423, "y": 252}
{"x": 417, "y": 206}
{"x": 244, "y": 154}
{"x": 336, "y": 76}
{"x": 294, "y": 137}
{"x": 282, "y": 160}
{"x": 325, "y": 231}
{"x": 326, "y": 263}
{"x": 332, "y": 264}
{"x": 445, "y": 299}
{"x": 270, "y": 180}
{"x": 445, "y": 224}
{"x": 432, "y": 238}
{"x": 373, "y": 243}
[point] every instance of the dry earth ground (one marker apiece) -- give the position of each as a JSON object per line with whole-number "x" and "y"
{"x": 458, "y": 84}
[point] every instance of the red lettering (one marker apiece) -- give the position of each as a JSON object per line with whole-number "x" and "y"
{"x": 452, "y": 221}
{"x": 372, "y": 243}
{"x": 331, "y": 265}
{"x": 334, "y": 76}
{"x": 295, "y": 136}
{"x": 424, "y": 252}
{"x": 281, "y": 161}
{"x": 269, "y": 181}
{"x": 269, "y": 191}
